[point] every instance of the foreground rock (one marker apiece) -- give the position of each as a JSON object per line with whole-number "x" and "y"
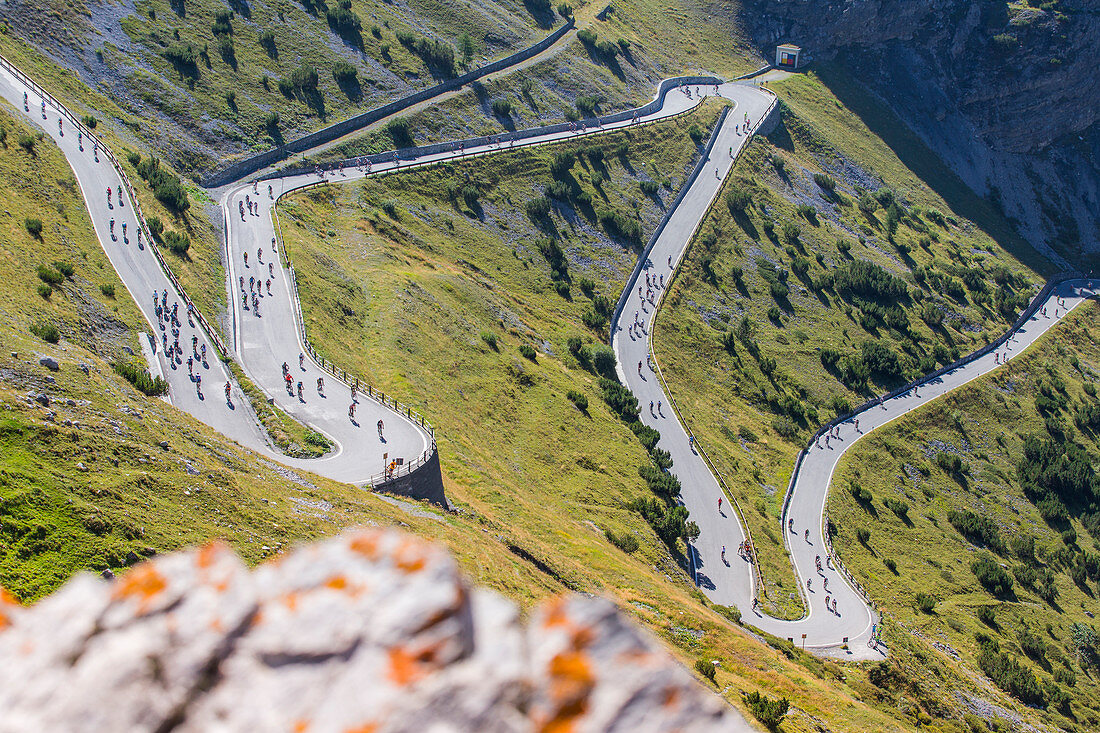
{"x": 371, "y": 631}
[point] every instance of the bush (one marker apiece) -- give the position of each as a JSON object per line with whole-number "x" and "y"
{"x": 400, "y": 132}
{"x": 625, "y": 541}
{"x": 107, "y": 289}
{"x": 527, "y": 351}
{"x": 988, "y": 616}
{"x": 165, "y": 186}
{"x": 863, "y": 535}
{"x": 891, "y": 565}
{"x": 648, "y": 187}
{"x": 49, "y": 275}
{"x": 860, "y": 494}
{"x": 271, "y": 121}
{"x": 490, "y": 340}
{"x": 1008, "y": 674}
{"x": 790, "y": 232}
{"x": 140, "y": 378}
{"x": 344, "y": 73}
{"x": 978, "y": 529}
{"x": 992, "y": 576}
{"x": 738, "y": 199}
{"x": 48, "y": 332}
{"x": 538, "y": 208}
{"x": 34, "y": 227}
{"x": 89, "y": 121}
{"x": 705, "y": 668}
{"x": 346, "y": 23}
{"x": 827, "y": 183}
{"x": 578, "y": 399}
{"x": 502, "y": 107}
{"x": 769, "y": 711}
{"x": 950, "y": 462}
{"x": 44, "y": 290}
{"x": 267, "y": 42}
{"x": 178, "y": 244}
{"x": 604, "y": 362}
{"x": 926, "y": 603}
{"x": 27, "y": 142}
{"x": 696, "y": 134}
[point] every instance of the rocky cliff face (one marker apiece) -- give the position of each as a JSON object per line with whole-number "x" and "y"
{"x": 1007, "y": 94}
{"x": 372, "y": 631}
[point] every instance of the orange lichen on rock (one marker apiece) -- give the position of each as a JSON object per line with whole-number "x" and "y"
{"x": 366, "y": 544}
{"x": 410, "y": 556}
{"x": 144, "y": 583}
{"x": 6, "y": 599}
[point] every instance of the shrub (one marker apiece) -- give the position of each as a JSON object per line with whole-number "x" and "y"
{"x": 769, "y": 711}
{"x": 604, "y": 361}
{"x": 271, "y": 121}
{"x": 502, "y": 107}
{"x": 34, "y": 227}
{"x": 859, "y": 493}
{"x": 978, "y": 529}
{"x": 178, "y": 244}
{"x": 790, "y": 232}
{"x": 867, "y": 203}
{"x": 587, "y": 105}
{"x": 65, "y": 268}
{"x": 891, "y": 565}
{"x": 48, "y": 332}
{"x": 863, "y": 535}
{"x": 992, "y": 576}
{"x": 625, "y": 541}
{"x": 107, "y": 289}
{"x": 344, "y": 73}
{"x": 89, "y": 121}
{"x": 648, "y": 187}
{"x": 527, "y": 351}
{"x": 827, "y": 183}
{"x": 926, "y": 603}
{"x": 400, "y": 132}
{"x": 267, "y": 42}
{"x": 490, "y": 340}
{"x": 746, "y": 433}
{"x": 141, "y": 379}
{"x": 578, "y": 399}
{"x": 1008, "y": 674}
{"x": 898, "y": 507}
{"x": 27, "y": 142}
{"x": 738, "y": 199}
{"x": 165, "y": 186}
{"x": 49, "y": 275}
{"x": 44, "y": 290}
{"x": 696, "y": 134}
{"x": 346, "y": 23}
{"x": 156, "y": 227}
{"x": 538, "y": 208}
{"x": 949, "y": 462}
{"x": 565, "y": 10}
{"x": 705, "y": 668}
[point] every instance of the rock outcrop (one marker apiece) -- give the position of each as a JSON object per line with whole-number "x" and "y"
{"x": 1007, "y": 94}
{"x": 371, "y": 631}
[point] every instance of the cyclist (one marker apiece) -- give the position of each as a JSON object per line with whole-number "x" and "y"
{"x": 807, "y": 535}
{"x": 60, "y": 129}
{"x": 112, "y": 228}
{"x": 227, "y": 392}
{"x": 190, "y": 364}
{"x": 301, "y": 361}
{"x": 351, "y": 411}
{"x": 268, "y": 283}
{"x": 380, "y": 428}
{"x": 271, "y": 269}
{"x": 246, "y": 259}
{"x": 123, "y": 228}
{"x": 719, "y": 504}
{"x": 202, "y": 351}
{"x": 300, "y": 391}
{"x": 321, "y": 385}
{"x": 25, "y": 100}
{"x": 790, "y": 524}
{"x": 723, "y": 553}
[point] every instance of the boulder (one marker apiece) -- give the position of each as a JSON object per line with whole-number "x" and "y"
{"x": 49, "y": 362}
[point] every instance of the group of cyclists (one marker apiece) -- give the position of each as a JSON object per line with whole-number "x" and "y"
{"x": 256, "y": 285}
{"x": 169, "y": 322}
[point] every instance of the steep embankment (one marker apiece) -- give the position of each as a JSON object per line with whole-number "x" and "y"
{"x": 1000, "y": 474}
{"x": 1004, "y": 92}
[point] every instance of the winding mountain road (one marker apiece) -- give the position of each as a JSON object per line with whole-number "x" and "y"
{"x": 264, "y": 339}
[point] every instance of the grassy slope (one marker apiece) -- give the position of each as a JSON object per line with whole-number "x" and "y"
{"x": 692, "y": 40}
{"x": 83, "y": 482}
{"x": 186, "y": 112}
{"x": 933, "y": 558}
{"x": 405, "y": 298}
{"x": 736, "y": 417}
